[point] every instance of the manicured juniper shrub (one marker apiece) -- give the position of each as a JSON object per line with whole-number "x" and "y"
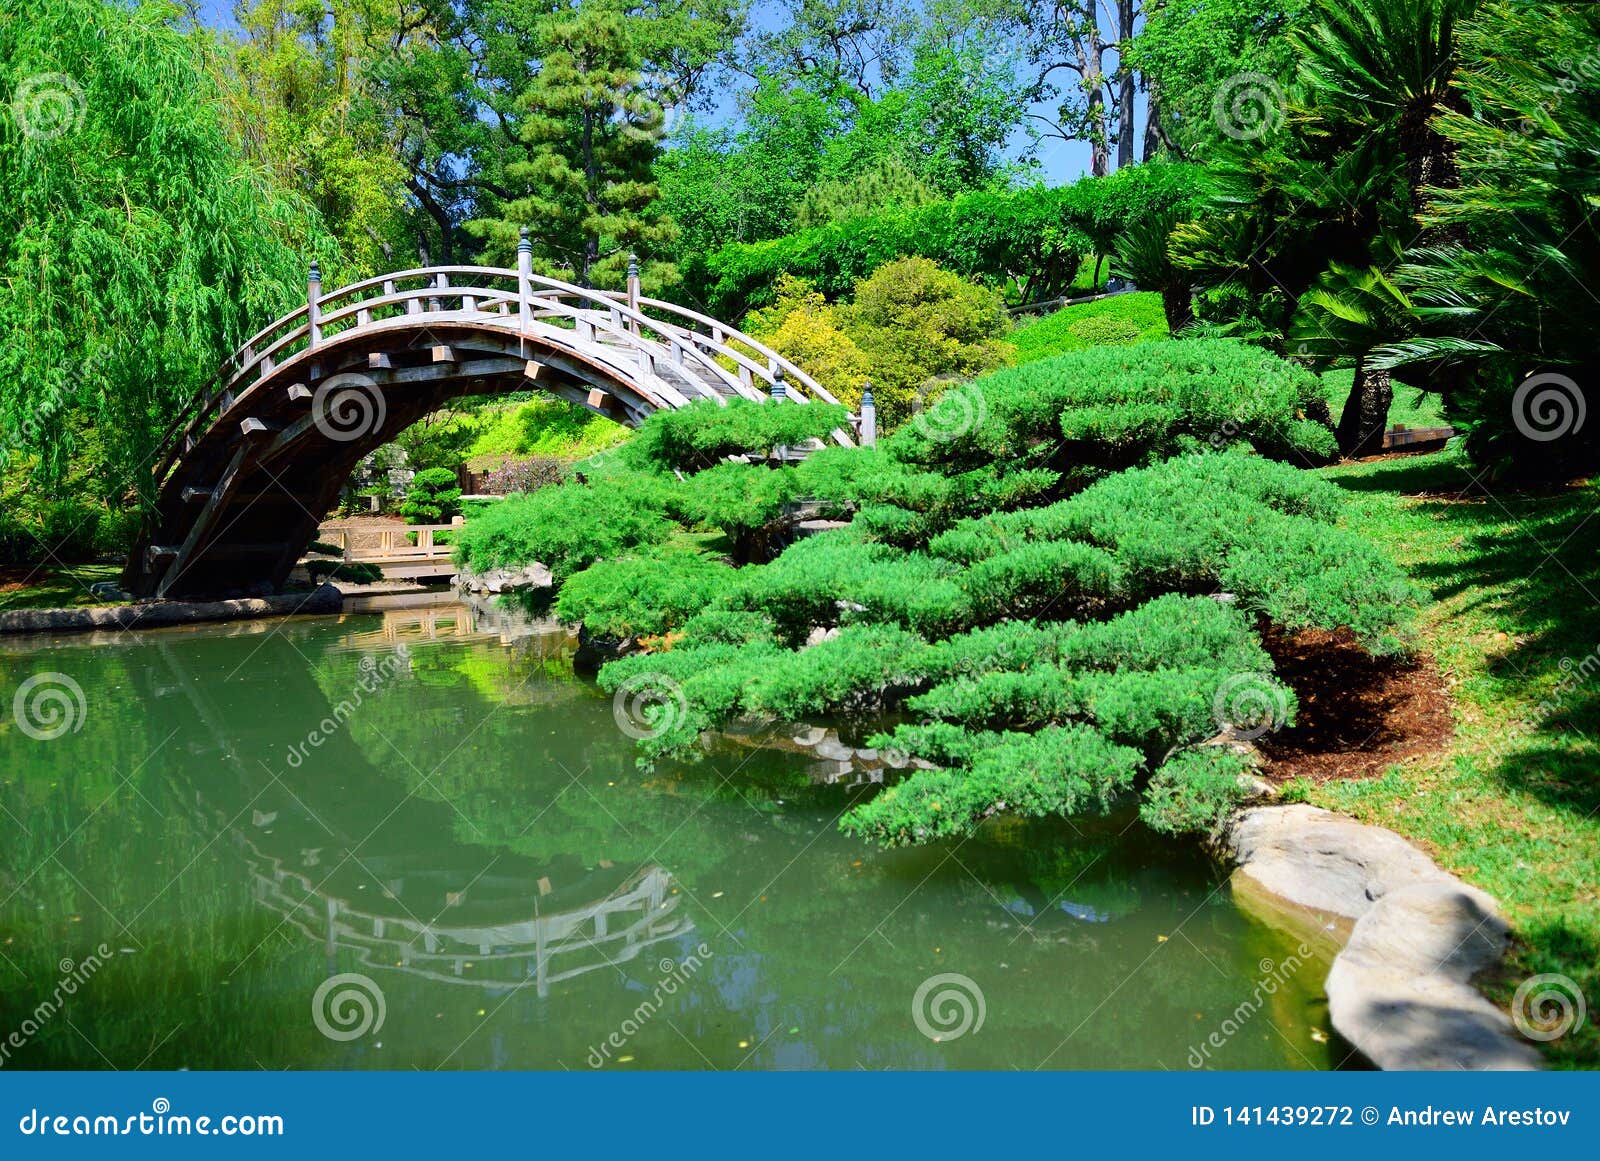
{"x": 1059, "y": 594}
{"x": 635, "y": 596}
{"x": 706, "y": 432}
{"x": 1115, "y": 407}
{"x": 748, "y": 504}
{"x": 567, "y": 528}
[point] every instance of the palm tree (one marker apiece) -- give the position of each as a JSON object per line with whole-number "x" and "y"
{"x": 1386, "y": 66}
{"x": 1378, "y": 70}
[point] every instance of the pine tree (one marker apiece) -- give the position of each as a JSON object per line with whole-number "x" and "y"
{"x": 593, "y": 131}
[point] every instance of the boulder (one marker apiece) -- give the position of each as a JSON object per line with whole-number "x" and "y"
{"x": 1400, "y": 989}
{"x": 1324, "y": 861}
{"x": 501, "y": 580}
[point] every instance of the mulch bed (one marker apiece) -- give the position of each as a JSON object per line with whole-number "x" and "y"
{"x": 1358, "y": 714}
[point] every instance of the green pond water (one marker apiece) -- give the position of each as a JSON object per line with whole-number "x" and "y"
{"x": 236, "y": 847}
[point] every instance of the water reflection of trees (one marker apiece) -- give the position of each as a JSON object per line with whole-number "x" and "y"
{"x": 479, "y": 771}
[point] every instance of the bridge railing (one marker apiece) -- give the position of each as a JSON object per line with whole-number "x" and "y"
{"x": 521, "y": 299}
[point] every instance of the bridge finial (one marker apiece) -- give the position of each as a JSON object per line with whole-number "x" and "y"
{"x": 523, "y": 245}
{"x": 777, "y": 385}
{"x": 633, "y": 265}
{"x": 869, "y": 416}
{"x": 315, "y": 274}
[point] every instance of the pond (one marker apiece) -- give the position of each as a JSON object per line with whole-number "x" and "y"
{"x": 416, "y": 839}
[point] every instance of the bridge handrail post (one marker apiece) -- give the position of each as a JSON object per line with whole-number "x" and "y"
{"x": 525, "y": 281}
{"x": 314, "y": 305}
{"x": 633, "y": 289}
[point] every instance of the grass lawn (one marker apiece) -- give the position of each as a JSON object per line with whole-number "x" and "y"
{"x": 1514, "y": 805}
{"x": 1410, "y": 407}
{"x": 54, "y": 586}
{"x": 1121, "y": 320}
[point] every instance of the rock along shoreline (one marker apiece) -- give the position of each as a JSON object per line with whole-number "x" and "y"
{"x": 158, "y": 614}
{"x": 1400, "y": 989}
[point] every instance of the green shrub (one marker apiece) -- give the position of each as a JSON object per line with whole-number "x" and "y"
{"x": 642, "y": 595}
{"x": 1063, "y": 770}
{"x": 1032, "y": 241}
{"x": 432, "y": 498}
{"x": 706, "y": 432}
{"x": 1195, "y": 791}
{"x": 567, "y": 528}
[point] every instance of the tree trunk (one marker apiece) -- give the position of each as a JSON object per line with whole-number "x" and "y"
{"x": 1091, "y": 58}
{"x": 1125, "y": 86}
{"x": 1152, "y": 122}
{"x": 1366, "y": 412}
{"x": 1177, "y": 302}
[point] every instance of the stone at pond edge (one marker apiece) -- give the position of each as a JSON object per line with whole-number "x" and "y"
{"x": 498, "y": 580}
{"x": 1400, "y": 990}
{"x": 158, "y": 614}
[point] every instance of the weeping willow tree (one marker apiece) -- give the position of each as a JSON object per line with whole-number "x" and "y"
{"x": 137, "y": 247}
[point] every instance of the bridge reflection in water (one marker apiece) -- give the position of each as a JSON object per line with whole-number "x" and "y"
{"x": 456, "y": 913}
{"x": 503, "y": 947}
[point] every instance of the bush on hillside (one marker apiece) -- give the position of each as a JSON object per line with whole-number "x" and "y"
{"x": 432, "y": 497}
{"x": 1119, "y": 321}
{"x": 917, "y": 324}
{"x": 911, "y": 329}
{"x": 1030, "y": 242}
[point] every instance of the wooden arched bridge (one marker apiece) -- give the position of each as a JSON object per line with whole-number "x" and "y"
{"x": 247, "y": 471}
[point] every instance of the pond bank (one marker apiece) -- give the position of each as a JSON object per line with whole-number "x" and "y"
{"x": 1400, "y": 989}
{"x": 159, "y": 614}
